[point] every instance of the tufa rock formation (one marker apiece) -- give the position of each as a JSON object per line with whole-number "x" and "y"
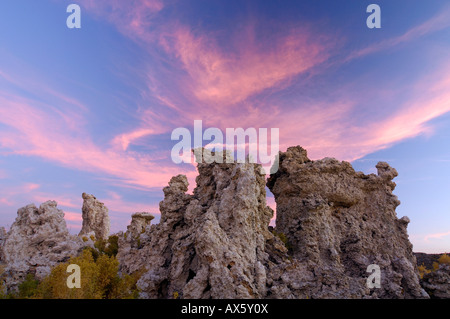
{"x": 37, "y": 241}
{"x": 3, "y": 234}
{"x": 210, "y": 244}
{"x": 331, "y": 224}
{"x": 339, "y": 221}
{"x": 216, "y": 244}
{"x": 95, "y": 218}
{"x": 131, "y": 241}
{"x": 437, "y": 283}
{"x": 139, "y": 223}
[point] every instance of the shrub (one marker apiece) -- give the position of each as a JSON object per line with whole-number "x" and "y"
{"x": 112, "y": 247}
{"x": 2, "y": 285}
{"x": 99, "y": 280}
{"x": 28, "y": 287}
{"x": 423, "y": 270}
{"x": 109, "y": 247}
{"x": 100, "y": 277}
{"x": 443, "y": 259}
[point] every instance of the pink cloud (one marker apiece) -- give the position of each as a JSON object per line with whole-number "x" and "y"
{"x": 128, "y": 207}
{"x": 218, "y": 76}
{"x": 62, "y": 200}
{"x": 73, "y": 217}
{"x": 37, "y": 132}
{"x": 74, "y": 227}
{"x": 336, "y": 130}
{"x": 125, "y": 139}
{"x": 6, "y": 201}
{"x": 134, "y": 18}
{"x": 11, "y": 194}
{"x": 29, "y": 187}
{"x": 213, "y": 83}
{"x": 412, "y": 118}
{"x": 436, "y": 236}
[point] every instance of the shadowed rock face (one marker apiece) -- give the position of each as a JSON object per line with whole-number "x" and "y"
{"x": 95, "y": 217}
{"x": 37, "y": 241}
{"x": 209, "y": 244}
{"x": 437, "y": 283}
{"x": 339, "y": 221}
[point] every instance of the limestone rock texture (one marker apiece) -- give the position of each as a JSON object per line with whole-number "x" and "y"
{"x": 132, "y": 240}
{"x": 437, "y": 283}
{"x": 37, "y": 240}
{"x": 139, "y": 223}
{"x": 3, "y": 234}
{"x": 216, "y": 242}
{"x": 95, "y": 218}
{"x": 331, "y": 224}
{"x": 338, "y": 222}
{"x": 209, "y": 244}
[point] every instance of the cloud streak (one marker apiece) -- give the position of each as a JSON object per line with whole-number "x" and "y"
{"x": 438, "y": 22}
{"x": 436, "y": 236}
{"x": 38, "y": 129}
{"x": 134, "y": 18}
{"x": 219, "y": 77}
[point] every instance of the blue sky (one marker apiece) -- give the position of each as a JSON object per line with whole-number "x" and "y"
{"x": 92, "y": 109}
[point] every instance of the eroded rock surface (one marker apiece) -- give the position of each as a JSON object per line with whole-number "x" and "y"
{"x": 437, "y": 283}
{"x": 339, "y": 222}
{"x": 132, "y": 240}
{"x": 3, "y": 234}
{"x": 95, "y": 217}
{"x": 37, "y": 241}
{"x": 332, "y": 223}
{"x": 216, "y": 244}
{"x": 210, "y": 244}
{"x": 139, "y": 223}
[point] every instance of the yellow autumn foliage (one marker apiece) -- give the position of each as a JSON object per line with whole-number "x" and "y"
{"x": 99, "y": 280}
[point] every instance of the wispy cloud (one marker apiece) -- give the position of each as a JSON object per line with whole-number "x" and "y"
{"x": 214, "y": 80}
{"x": 218, "y": 75}
{"x": 134, "y": 18}
{"x": 35, "y": 128}
{"x": 12, "y": 196}
{"x": 436, "y": 236}
{"x": 116, "y": 203}
{"x": 438, "y": 22}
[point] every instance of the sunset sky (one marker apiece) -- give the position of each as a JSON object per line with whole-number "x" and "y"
{"x": 92, "y": 109}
